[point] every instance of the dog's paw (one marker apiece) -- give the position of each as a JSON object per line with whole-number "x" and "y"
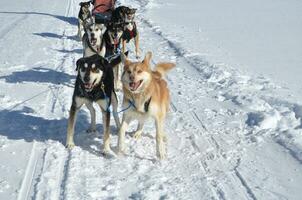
{"x": 70, "y": 145}
{"x": 121, "y": 153}
{"x": 138, "y": 134}
{"x": 161, "y": 151}
{"x": 108, "y": 153}
{"x": 161, "y": 156}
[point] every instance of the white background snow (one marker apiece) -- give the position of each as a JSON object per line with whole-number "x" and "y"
{"x": 234, "y": 129}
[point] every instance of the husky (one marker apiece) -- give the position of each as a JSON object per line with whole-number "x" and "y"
{"x": 113, "y": 38}
{"x": 94, "y": 83}
{"x": 93, "y": 39}
{"x": 83, "y": 17}
{"x": 130, "y": 30}
{"x": 147, "y": 95}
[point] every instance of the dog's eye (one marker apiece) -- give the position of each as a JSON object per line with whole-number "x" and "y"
{"x": 128, "y": 71}
{"x": 139, "y": 71}
{"x": 97, "y": 29}
{"x": 90, "y": 29}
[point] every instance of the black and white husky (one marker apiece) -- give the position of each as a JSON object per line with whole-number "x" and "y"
{"x": 113, "y": 37}
{"x": 94, "y": 83}
{"x": 93, "y": 39}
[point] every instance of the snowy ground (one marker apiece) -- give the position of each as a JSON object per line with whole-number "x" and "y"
{"x": 230, "y": 135}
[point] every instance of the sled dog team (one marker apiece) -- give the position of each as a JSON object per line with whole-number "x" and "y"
{"x": 145, "y": 92}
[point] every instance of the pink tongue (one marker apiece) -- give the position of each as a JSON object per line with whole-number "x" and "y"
{"x": 134, "y": 85}
{"x": 115, "y": 41}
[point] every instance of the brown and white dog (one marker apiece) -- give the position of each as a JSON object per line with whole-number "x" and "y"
{"x": 147, "y": 95}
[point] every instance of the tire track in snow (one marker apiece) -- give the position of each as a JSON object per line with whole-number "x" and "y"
{"x": 52, "y": 164}
{"x": 28, "y": 180}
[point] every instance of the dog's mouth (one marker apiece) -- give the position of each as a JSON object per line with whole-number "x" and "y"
{"x": 89, "y": 86}
{"x": 116, "y": 40}
{"x": 93, "y": 41}
{"x": 134, "y": 85}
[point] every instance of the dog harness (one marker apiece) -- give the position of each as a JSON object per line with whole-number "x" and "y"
{"x": 128, "y": 35}
{"x": 146, "y": 104}
{"x": 111, "y": 49}
{"x": 97, "y": 93}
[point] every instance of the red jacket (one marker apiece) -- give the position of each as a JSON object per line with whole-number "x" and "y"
{"x": 101, "y": 6}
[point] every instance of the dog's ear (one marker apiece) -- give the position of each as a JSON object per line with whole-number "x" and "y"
{"x": 79, "y": 63}
{"x": 133, "y": 10}
{"x": 81, "y": 3}
{"x": 147, "y": 58}
{"x": 124, "y": 59}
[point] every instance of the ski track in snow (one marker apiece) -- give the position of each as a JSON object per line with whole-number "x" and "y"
{"x": 215, "y": 115}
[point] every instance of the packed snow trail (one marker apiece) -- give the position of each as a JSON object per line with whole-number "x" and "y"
{"x": 224, "y": 129}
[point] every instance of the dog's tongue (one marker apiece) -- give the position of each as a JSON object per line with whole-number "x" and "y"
{"x": 87, "y": 85}
{"x": 134, "y": 85}
{"x": 116, "y": 41}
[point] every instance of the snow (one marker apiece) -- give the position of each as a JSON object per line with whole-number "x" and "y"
{"x": 234, "y": 128}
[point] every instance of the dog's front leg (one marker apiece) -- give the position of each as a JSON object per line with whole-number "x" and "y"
{"x": 70, "y": 129}
{"x": 106, "y": 128}
{"x": 124, "y": 43}
{"x": 121, "y": 136}
{"x": 92, "y": 115}
{"x": 114, "y": 102}
{"x": 136, "y": 44}
{"x": 160, "y": 136}
{"x": 139, "y": 130}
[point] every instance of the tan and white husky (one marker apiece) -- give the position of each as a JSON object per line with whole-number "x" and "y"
{"x": 147, "y": 95}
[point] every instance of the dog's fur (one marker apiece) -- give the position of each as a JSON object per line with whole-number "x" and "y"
{"x": 126, "y": 15}
{"x": 147, "y": 94}
{"x": 83, "y": 17}
{"x": 94, "y": 83}
{"x": 131, "y": 31}
{"x": 113, "y": 38}
{"x": 93, "y": 41}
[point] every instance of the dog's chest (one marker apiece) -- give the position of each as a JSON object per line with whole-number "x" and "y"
{"x": 141, "y": 105}
{"x": 130, "y": 26}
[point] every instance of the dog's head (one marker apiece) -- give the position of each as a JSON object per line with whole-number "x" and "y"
{"x": 129, "y": 14}
{"x": 137, "y": 75}
{"x": 90, "y": 71}
{"x": 115, "y": 32}
{"x": 85, "y": 7}
{"x": 95, "y": 32}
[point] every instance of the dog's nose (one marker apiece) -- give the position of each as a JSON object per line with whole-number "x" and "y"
{"x": 92, "y": 35}
{"x": 131, "y": 78}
